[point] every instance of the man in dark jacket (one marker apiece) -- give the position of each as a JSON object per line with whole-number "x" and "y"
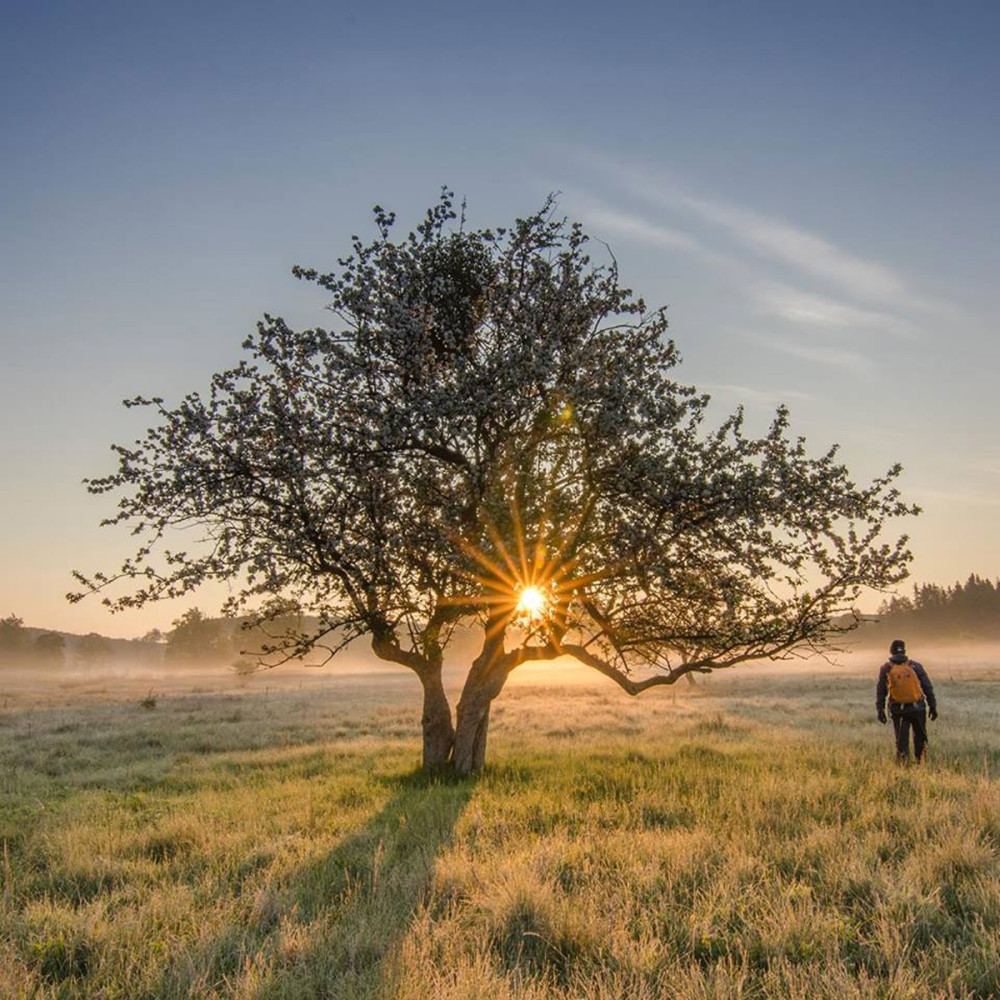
{"x": 911, "y": 698}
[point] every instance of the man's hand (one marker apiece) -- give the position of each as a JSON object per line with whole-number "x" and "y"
{"x": 884, "y": 720}
{"x": 933, "y": 714}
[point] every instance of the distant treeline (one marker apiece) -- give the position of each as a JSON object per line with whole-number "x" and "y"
{"x": 21, "y": 645}
{"x": 969, "y": 610}
{"x": 195, "y": 639}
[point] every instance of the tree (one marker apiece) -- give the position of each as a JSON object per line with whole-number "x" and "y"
{"x": 492, "y": 437}
{"x": 94, "y": 650}
{"x": 12, "y": 636}
{"x": 197, "y": 639}
{"x": 50, "y": 649}
{"x": 266, "y": 637}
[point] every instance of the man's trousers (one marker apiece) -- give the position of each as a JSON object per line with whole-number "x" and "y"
{"x": 903, "y": 721}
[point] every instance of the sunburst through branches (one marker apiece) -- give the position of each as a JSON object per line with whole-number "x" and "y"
{"x": 523, "y": 584}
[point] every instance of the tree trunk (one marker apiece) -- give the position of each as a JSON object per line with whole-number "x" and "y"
{"x": 472, "y": 724}
{"x": 479, "y": 743}
{"x": 470, "y": 735}
{"x": 472, "y": 717}
{"x": 438, "y": 731}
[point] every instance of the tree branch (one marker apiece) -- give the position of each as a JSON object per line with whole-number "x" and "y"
{"x": 622, "y": 679}
{"x": 386, "y": 647}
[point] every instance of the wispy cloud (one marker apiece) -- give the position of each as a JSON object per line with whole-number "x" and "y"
{"x": 848, "y": 280}
{"x": 776, "y": 239}
{"x": 804, "y": 308}
{"x": 832, "y": 357}
{"x": 798, "y": 249}
{"x": 610, "y": 221}
{"x": 640, "y": 229}
{"x": 819, "y": 297}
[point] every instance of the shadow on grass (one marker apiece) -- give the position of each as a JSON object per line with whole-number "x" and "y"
{"x": 331, "y": 928}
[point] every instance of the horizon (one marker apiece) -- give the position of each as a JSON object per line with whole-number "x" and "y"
{"x": 871, "y": 619}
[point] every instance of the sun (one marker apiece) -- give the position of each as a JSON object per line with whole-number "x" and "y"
{"x": 532, "y": 602}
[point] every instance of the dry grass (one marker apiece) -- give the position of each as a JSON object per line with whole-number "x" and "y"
{"x": 747, "y": 838}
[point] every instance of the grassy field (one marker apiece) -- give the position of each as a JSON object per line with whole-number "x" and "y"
{"x": 749, "y": 837}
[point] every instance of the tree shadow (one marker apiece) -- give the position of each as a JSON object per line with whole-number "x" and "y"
{"x": 332, "y": 927}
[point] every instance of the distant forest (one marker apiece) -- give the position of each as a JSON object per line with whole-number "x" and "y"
{"x": 969, "y": 610}
{"x": 194, "y": 640}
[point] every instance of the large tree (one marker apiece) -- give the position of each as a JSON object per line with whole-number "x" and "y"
{"x": 491, "y": 436}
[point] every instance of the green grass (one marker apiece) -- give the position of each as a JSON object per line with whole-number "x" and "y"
{"x": 748, "y": 838}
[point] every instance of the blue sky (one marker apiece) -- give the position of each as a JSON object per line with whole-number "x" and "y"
{"x": 810, "y": 186}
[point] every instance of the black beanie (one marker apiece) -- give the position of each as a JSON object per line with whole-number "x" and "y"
{"x": 898, "y": 646}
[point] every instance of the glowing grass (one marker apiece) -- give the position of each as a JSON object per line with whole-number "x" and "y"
{"x": 746, "y": 839}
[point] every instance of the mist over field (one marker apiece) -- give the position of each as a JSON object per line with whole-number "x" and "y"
{"x": 119, "y": 679}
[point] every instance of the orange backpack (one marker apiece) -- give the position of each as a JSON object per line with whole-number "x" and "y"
{"x": 904, "y": 685}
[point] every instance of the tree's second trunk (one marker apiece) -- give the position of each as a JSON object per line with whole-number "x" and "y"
{"x": 470, "y": 735}
{"x": 479, "y": 743}
{"x": 472, "y": 716}
{"x": 438, "y": 731}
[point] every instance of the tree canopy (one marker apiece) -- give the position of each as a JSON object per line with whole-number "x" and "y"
{"x": 197, "y": 639}
{"x": 11, "y": 631}
{"x": 13, "y": 637}
{"x": 50, "y": 649}
{"x": 491, "y": 435}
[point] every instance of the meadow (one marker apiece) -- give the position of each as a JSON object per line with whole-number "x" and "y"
{"x": 271, "y": 837}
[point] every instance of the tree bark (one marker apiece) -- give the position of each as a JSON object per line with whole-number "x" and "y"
{"x": 470, "y": 734}
{"x": 479, "y": 743}
{"x": 438, "y": 731}
{"x": 472, "y": 716}
{"x": 472, "y": 724}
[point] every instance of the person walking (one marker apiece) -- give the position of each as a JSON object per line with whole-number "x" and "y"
{"x": 911, "y": 699}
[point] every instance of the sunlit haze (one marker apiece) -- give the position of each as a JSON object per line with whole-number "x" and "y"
{"x": 810, "y": 188}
